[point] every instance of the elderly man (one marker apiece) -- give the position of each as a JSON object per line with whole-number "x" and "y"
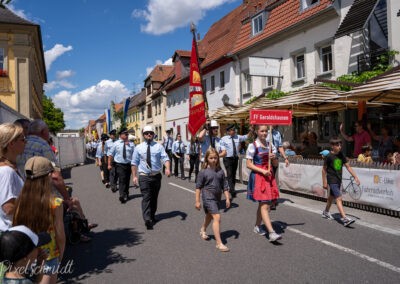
{"x": 211, "y": 140}
{"x": 37, "y": 145}
{"x": 147, "y": 161}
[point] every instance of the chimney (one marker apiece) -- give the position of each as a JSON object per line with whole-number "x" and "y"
{"x": 198, "y": 36}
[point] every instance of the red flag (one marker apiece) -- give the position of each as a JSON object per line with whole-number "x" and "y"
{"x": 197, "y": 113}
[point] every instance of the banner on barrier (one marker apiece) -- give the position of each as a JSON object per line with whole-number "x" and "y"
{"x": 379, "y": 188}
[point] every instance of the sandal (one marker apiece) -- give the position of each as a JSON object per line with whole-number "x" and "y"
{"x": 222, "y": 248}
{"x": 85, "y": 239}
{"x": 204, "y": 235}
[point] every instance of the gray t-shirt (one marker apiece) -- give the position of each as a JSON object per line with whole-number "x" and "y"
{"x": 212, "y": 183}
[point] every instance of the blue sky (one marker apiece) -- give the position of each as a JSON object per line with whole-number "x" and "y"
{"x": 97, "y": 51}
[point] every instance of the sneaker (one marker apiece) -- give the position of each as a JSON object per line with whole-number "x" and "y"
{"x": 274, "y": 237}
{"x": 259, "y": 230}
{"x": 327, "y": 215}
{"x": 347, "y": 221}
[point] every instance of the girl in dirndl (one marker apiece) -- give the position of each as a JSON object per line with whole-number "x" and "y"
{"x": 262, "y": 185}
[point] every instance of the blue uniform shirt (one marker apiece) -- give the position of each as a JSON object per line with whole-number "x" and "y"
{"x": 276, "y": 139}
{"x": 99, "y": 152}
{"x": 168, "y": 141}
{"x": 193, "y": 150}
{"x": 108, "y": 145}
{"x": 157, "y": 154}
{"x": 206, "y": 144}
{"x": 226, "y": 141}
{"x": 178, "y": 148}
{"x": 117, "y": 152}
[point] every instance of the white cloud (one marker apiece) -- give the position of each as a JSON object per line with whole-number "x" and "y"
{"x": 61, "y": 81}
{"x": 158, "y": 62}
{"x": 52, "y": 54}
{"x": 90, "y": 103}
{"x": 163, "y": 16}
{"x": 64, "y": 74}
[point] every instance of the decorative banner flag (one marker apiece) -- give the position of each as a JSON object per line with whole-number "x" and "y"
{"x": 108, "y": 120}
{"x": 126, "y": 107}
{"x": 197, "y": 114}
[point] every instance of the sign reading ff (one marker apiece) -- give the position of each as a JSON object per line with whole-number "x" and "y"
{"x": 270, "y": 117}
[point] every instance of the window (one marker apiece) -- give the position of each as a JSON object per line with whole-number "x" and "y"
{"x": 156, "y": 108}
{"x": 326, "y": 59}
{"x": 142, "y": 110}
{"x": 305, "y": 4}
{"x": 212, "y": 83}
{"x": 204, "y": 85}
{"x": 222, "y": 79}
{"x": 257, "y": 24}
{"x": 247, "y": 83}
{"x": 149, "y": 115}
{"x": 159, "y": 106}
{"x": 3, "y": 71}
{"x": 299, "y": 66}
{"x": 269, "y": 82}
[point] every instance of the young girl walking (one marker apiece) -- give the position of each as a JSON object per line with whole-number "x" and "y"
{"x": 262, "y": 184}
{"x": 211, "y": 182}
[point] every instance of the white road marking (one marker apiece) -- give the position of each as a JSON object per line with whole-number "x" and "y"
{"x": 328, "y": 243}
{"x": 359, "y": 222}
{"x": 181, "y": 187}
{"x": 348, "y": 250}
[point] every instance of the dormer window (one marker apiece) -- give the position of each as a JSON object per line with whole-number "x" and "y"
{"x": 258, "y": 23}
{"x": 305, "y": 4}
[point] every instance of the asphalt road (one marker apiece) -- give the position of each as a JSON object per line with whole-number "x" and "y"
{"x": 313, "y": 250}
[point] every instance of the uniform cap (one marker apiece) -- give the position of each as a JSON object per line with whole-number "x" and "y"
{"x": 229, "y": 127}
{"x": 113, "y": 132}
{"x": 213, "y": 123}
{"x": 148, "y": 128}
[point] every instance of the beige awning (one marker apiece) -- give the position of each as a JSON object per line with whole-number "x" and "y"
{"x": 310, "y": 100}
{"x": 384, "y": 88}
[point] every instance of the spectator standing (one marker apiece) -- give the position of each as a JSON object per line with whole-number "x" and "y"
{"x": 121, "y": 154}
{"x": 231, "y": 143}
{"x": 41, "y": 211}
{"x": 385, "y": 141}
{"x": 212, "y": 183}
{"x": 24, "y": 123}
{"x": 262, "y": 184}
{"x": 193, "y": 152}
{"x": 360, "y": 138}
{"x": 178, "y": 150}
{"x": 12, "y": 144}
{"x": 168, "y": 141}
{"x": 147, "y": 161}
{"x": 332, "y": 180}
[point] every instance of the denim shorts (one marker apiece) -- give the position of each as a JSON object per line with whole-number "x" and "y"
{"x": 334, "y": 190}
{"x": 51, "y": 266}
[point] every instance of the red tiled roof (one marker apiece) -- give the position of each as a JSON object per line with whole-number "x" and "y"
{"x": 285, "y": 15}
{"x": 118, "y": 107}
{"x": 103, "y": 116}
{"x": 160, "y": 73}
{"x": 92, "y": 122}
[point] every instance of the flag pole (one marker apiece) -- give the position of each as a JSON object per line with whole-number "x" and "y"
{"x": 193, "y": 30}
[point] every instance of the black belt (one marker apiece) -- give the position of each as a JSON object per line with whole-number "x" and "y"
{"x": 232, "y": 158}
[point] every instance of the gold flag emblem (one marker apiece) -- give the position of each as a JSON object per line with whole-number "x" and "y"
{"x": 196, "y": 77}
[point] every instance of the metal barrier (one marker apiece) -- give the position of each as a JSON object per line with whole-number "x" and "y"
{"x": 71, "y": 151}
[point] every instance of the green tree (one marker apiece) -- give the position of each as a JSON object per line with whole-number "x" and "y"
{"x": 54, "y": 117}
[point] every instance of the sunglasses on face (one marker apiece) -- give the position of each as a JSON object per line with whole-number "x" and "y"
{"x": 148, "y": 133}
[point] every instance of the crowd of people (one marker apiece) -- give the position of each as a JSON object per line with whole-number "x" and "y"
{"x": 33, "y": 201}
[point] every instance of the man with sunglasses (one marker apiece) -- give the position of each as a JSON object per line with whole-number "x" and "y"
{"x": 121, "y": 154}
{"x": 211, "y": 140}
{"x": 147, "y": 162}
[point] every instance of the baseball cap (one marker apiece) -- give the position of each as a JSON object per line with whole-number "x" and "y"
{"x": 38, "y": 166}
{"x": 17, "y": 242}
{"x": 324, "y": 153}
